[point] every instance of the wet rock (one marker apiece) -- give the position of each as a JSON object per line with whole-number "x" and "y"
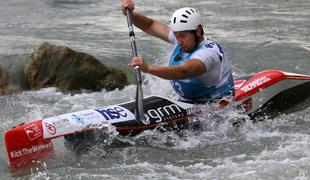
{"x": 5, "y": 86}
{"x": 3, "y": 81}
{"x": 59, "y": 66}
{"x": 3, "y": 77}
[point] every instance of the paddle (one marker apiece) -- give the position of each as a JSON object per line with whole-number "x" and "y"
{"x": 139, "y": 112}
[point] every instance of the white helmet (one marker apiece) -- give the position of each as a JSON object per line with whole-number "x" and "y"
{"x": 185, "y": 19}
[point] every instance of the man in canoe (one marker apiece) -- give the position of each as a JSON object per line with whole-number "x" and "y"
{"x": 198, "y": 69}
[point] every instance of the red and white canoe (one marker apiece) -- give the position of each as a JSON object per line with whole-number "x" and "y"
{"x": 265, "y": 91}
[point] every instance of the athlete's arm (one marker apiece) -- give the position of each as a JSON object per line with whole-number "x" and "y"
{"x": 146, "y": 24}
{"x": 190, "y": 68}
{"x": 151, "y": 27}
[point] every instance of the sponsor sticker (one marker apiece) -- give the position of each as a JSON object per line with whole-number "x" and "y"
{"x": 31, "y": 150}
{"x": 50, "y": 128}
{"x": 247, "y": 104}
{"x": 61, "y": 123}
{"x": 78, "y": 119}
{"x": 86, "y": 116}
{"x": 115, "y": 113}
{"x": 167, "y": 112}
{"x": 255, "y": 84}
{"x": 55, "y": 125}
{"x": 33, "y": 132}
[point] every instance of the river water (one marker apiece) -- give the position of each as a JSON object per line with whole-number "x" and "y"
{"x": 256, "y": 35}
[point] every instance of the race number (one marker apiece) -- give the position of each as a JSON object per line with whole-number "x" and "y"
{"x": 178, "y": 88}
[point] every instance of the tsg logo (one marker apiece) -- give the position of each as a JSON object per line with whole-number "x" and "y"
{"x": 111, "y": 113}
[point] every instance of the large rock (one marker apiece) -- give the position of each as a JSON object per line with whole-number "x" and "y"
{"x": 5, "y": 86}
{"x": 3, "y": 81}
{"x": 59, "y": 66}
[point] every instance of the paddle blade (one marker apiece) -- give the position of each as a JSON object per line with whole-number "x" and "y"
{"x": 25, "y": 144}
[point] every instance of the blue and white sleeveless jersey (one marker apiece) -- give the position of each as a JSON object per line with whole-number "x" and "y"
{"x": 215, "y": 83}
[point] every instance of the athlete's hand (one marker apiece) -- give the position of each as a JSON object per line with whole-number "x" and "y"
{"x": 127, "y": 4}
{"x": 139, "y": 61}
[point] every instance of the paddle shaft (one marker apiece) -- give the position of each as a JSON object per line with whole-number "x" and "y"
{"x": 139, "y": 113}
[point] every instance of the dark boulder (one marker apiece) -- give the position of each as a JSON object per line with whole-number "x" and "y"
{"x": 5, "y": 86}
{"x": 62, "y": 67}
{"x": 3, "y": 81}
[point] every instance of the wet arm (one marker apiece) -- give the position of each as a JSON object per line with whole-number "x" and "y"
{"x": 150, "y": 26}
{"x": 190, "y": 68}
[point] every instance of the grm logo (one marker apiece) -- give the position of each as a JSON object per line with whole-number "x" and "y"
{"x": 164, "y": 112}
